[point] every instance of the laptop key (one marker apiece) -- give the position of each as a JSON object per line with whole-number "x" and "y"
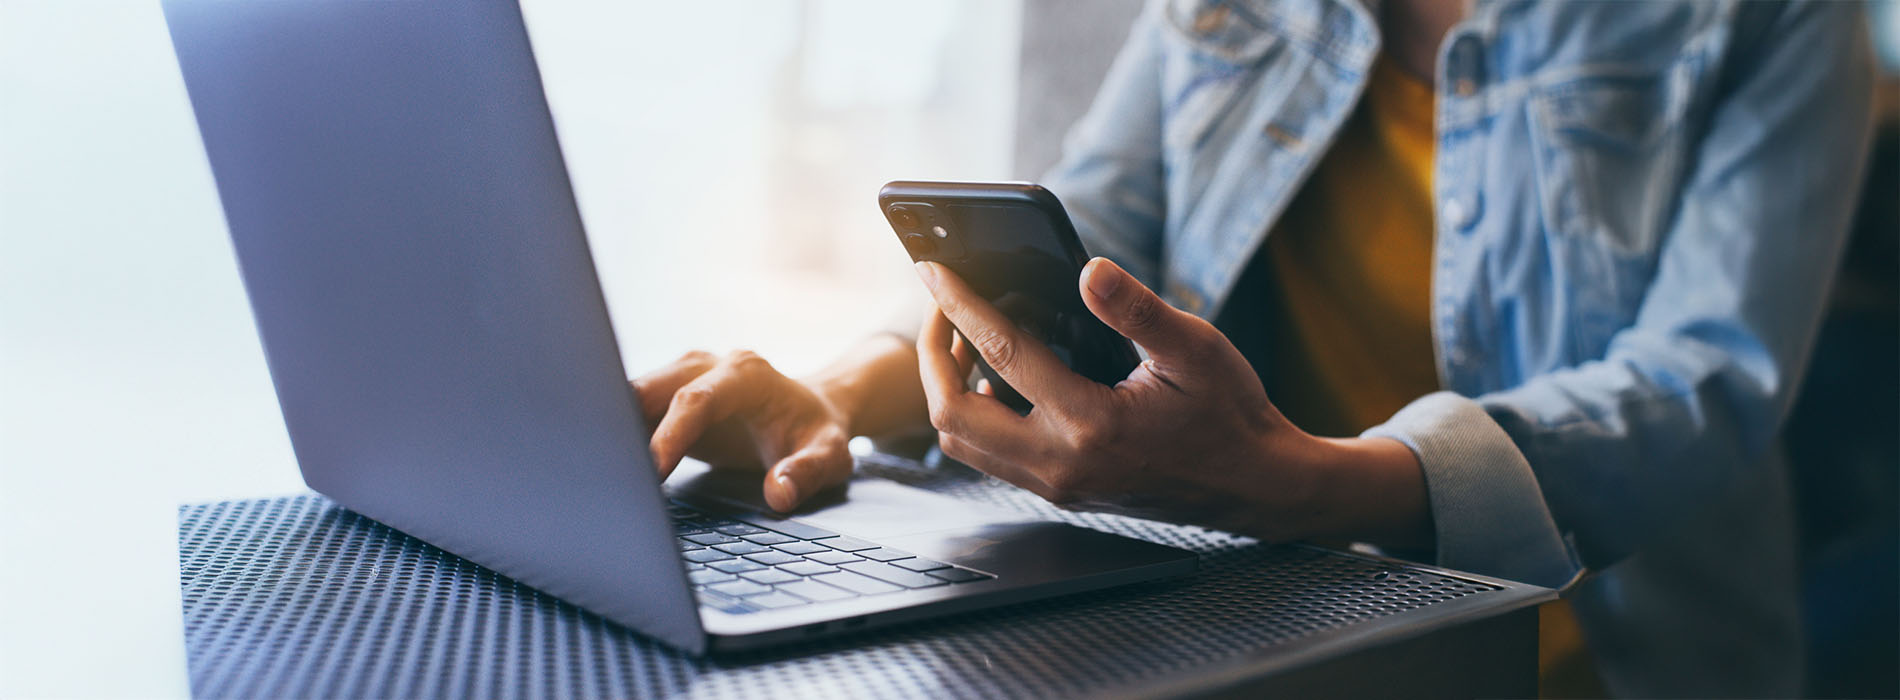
{"x": 711, "y": 538}
{"x": 705, "y": 555}
{"x": 768, "y": 576}
{"x": 687, "y": 546}
{"x": 892, "y": 574}
{"x": 740, "y": 530}
{"x": 882, "y": 554}
{"x": 767, "y": 538}
{"x": 741, "y": 548}
{"x": 815, "y": 591}
{"x": 807, "y": 568}
{"x": 787, "y": 527}
{"x": 737, "y": 566}
{"x": 955, "y": 575}
{"x": 769, "y": 557}
{"x": 704, "y": 576}
{"x": 833, "y": 557}
{"x": 848, "y": 544}
{"x": 919, "y": 564}
{"x": 797, "y": 547}
{"x": 722, "y": 603}
{"x": 775, "y": 600}
{"x": 864, "y": 585}
{"x": 740, "y": 589}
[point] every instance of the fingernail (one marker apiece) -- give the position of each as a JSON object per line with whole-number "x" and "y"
{"x": 1102, "y": 280}
{"x": 791, "y": 489}
{"x": 928, "y": 272}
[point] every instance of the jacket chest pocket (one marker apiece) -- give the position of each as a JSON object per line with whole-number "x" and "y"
{"x": 1609, "y": 154}
{"x": 1609, "y": 151}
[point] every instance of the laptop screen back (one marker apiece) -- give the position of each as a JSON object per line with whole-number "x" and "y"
{"x": 423, "y": 288}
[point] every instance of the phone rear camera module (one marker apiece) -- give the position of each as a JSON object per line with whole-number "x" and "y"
{"x": 904, "y": 218}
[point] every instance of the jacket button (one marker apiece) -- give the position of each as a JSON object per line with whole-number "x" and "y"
{"x": 1456, "y": 214}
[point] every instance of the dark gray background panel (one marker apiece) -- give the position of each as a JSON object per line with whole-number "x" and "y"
{"x": 1066, "y": 48}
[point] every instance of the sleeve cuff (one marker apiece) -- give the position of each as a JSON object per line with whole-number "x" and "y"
{"x": 1488, "y": 513}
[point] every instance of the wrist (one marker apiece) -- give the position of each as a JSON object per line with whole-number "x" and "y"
{"x": 848, "y": 387}
{"x": 1370, "y": 490}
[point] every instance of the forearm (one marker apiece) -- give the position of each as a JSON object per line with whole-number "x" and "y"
{"x": 875, "y": 387}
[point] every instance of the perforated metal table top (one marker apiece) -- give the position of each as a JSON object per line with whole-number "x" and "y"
{"x": 299, "y": 597}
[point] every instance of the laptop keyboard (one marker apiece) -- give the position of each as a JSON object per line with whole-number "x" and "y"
{"x": 744, "y": 563}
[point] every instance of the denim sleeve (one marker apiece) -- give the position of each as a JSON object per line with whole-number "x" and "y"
{"x": 1110, "y": 175}
{"x": 1588, "y": 463}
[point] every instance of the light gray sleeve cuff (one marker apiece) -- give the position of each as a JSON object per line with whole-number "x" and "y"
{"x": 1487, "y": 511}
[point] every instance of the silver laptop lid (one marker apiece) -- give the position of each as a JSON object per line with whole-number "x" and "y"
{"x": 424, "y": 291}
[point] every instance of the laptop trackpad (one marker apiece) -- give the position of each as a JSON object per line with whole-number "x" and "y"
{"x": 872, "y": 509}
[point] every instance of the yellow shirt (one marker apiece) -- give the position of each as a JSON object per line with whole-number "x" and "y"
{"x": 1349, "y": 269}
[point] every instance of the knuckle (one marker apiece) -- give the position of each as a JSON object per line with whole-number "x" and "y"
{"x": 697, "y": 358}
{"x": 1144, "y": 311}
{"x": 1089, "y": 437}
{"x": 941, "y": 417}
{"x": 997, "y": 348}
{"x": 746, "y": 360}
{"x": 750, "y": 365}
{"x": 693, "y": 396}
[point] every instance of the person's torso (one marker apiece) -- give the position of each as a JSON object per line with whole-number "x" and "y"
{"x": 1563, "y": 135}
{"x": 1561, "y": 140}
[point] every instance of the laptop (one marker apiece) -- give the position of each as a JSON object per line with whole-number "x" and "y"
{"x": 438, "y": 341}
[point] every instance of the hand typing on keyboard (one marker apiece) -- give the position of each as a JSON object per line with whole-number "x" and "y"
{"x": 738, "y": 411}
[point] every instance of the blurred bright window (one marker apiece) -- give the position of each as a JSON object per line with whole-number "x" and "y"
{"x": 727, "y": 162}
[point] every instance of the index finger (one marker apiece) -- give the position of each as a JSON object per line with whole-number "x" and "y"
{"x": 976, "y": 418}
{"x": 1023, "y": 361}
{"x": 708, "y": 399}
{"x": 655, "y": 389}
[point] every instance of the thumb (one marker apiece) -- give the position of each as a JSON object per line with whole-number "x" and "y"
{"x": 1171, "y": 336}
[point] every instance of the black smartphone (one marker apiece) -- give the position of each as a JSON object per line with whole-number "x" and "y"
{"x": 1013, "y": 243}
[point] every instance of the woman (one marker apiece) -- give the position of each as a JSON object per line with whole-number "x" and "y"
{"x": 1543, "y": 276}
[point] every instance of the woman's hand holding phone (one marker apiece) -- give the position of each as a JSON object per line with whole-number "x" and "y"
{"x": 1189, "y": 436}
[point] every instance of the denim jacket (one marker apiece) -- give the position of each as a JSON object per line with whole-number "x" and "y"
{"x": 1639, "y": 209}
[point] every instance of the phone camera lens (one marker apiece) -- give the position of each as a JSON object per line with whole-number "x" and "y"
{"x": 904, "y": 218}
{"x": 919, "y": 245}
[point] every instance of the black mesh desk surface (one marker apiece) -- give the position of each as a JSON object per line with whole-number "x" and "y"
{"x": 299, "y": 597}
